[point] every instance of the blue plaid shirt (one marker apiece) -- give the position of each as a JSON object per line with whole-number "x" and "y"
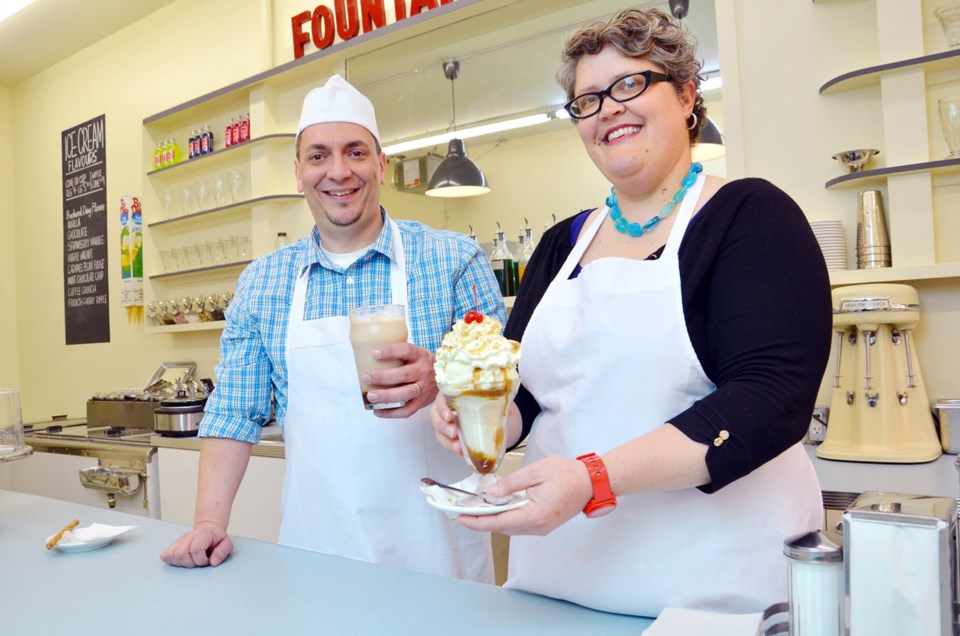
{"x": 442, "y": 268}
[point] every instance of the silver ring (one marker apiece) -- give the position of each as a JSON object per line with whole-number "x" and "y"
{"x": 419, "y": 390}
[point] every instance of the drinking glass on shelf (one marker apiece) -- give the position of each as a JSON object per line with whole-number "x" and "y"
{"x": 169, "y": 261}
{"x": 949, "y": 17}
{"x": 243, "y": 246}
{"x": 188, "y": 199}
{"x": 166, "y": 200}
{"x": 216, "y": 252}
{"x": 181, "y": 255}
{"x": 230, "y": 251}
{"x": 193, "y": 256}
{"x": 203, "y": 195}
{"x": 950, "y": 122}
{"x": 236, "y": 185}
{"x": 219, "y": 190}
{"x": 203, "y": 253}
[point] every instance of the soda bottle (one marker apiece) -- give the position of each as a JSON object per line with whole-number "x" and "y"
{"x": 191, "y": 144}
{"x": 158, "y": 157}
{"x": 204, "y": 140}
{"x": 165, "y": 152}
{"x": 175, "y": 155}
{"x": 209, "y": 139}
{"x": 504, "y": 265}
{"x": 235, "y": 130}
{"x": 527, "y": 245}
{"x": 245, "y": 127}
{"x": 228, "y": 133}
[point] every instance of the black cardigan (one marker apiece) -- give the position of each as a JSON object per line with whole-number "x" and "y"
{"x": 756, "y": 298}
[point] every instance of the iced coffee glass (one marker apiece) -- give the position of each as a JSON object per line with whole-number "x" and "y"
{"x": 371, "y": 327}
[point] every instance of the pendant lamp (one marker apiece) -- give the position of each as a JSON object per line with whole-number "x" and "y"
{"x": 709, "y": 143}
{"x": 456, "y": 176}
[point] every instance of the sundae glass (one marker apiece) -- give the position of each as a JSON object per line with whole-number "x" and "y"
{"x": 476, "y": 371}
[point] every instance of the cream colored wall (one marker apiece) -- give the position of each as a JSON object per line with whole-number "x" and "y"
{"x": 127, "y": 77}
{"x": 9, "y": 359}
{"x": 775, "y": 56}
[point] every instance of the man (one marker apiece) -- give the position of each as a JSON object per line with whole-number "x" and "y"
{"x": 351, "y": 482}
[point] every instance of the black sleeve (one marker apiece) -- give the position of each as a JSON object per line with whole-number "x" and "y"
{"x": 756, "y": 297}
{"x": 547, "y": 258}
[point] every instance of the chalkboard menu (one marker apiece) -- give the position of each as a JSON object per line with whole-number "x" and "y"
{"x": 86, "y": 295}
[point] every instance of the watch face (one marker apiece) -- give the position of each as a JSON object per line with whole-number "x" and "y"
{"x": 601, "y": 509}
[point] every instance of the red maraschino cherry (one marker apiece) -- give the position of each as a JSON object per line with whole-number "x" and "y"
{"x": 473, "y": 316}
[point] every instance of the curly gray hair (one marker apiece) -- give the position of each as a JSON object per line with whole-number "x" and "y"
{"x": 646, "y": 33}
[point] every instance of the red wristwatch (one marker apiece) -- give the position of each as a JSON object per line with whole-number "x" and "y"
{"x": 603, "y": 501}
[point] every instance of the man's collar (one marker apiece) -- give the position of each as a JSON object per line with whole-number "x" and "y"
{"x": 383, "y": 245}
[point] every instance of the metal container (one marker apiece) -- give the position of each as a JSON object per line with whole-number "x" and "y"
{"x": 179, "y": 417}
{"x": 948, "y": 412}
{"x": 900, "y": 556}
{"x": 126, "y": 413}
{"x": 815, "y": 585}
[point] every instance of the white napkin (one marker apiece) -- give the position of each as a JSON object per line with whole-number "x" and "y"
{"x": 685, "y": 622}
{"x": 471, "y": 483}
{"x": 93, "y": 532}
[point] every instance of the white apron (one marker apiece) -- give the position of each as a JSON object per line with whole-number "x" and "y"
{"x": 352, "y": 480}
{"x": 608, "y": 357}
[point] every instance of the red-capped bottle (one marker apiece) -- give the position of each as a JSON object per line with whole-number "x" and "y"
{"x": 235, "y": 131}
{"x": 228, "y": 134}
{"x": 245, "y": 127}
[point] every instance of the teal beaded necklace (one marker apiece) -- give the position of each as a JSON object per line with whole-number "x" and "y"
{"x": 635, "y": 229}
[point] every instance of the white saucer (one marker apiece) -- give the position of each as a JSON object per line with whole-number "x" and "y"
{"x": 67, "y": 545}
{"x": 442, "y": 500}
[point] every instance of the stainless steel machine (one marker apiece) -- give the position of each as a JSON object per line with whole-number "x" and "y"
{"x": 880, "y": 411}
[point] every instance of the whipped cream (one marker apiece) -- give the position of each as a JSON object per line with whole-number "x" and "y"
{"x": 475, "y": 357}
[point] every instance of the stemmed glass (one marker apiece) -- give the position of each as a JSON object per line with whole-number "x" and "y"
{"x": 482, "y": 427}
{"x": 950, "y": 122}
{"x": 203, "y": 194}
{"x": 219, "y": 189}
{"x": 166, "y": 199}
{"x": 236, "y": 185}
{"x": 11, "y": 427}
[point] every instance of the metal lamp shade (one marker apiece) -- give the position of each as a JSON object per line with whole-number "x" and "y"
{"x": 457, "y": 176}
{"x": 709, "y": 143}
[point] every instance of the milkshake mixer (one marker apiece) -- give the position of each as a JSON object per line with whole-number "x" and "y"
{"x": 879, "y": 411}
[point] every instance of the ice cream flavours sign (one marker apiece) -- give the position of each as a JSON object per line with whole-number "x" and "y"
{"x": 85, "y": 290}
{"x": 341, "y": 20}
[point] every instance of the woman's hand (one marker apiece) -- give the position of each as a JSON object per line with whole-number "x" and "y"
{"x": 558, "y": 488}
{"x": 444, "y": 423}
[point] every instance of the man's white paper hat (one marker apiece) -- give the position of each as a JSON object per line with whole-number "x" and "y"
{"x": 338, "y": 101}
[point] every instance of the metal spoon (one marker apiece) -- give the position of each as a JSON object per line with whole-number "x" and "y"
{"x": 475, "y": 498}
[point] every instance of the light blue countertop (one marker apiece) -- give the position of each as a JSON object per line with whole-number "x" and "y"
{"x": 938, "y": 478}
{"x": 262, "y": 588}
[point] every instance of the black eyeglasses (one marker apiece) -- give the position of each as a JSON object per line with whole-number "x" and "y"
{"x": 623, "y": 90}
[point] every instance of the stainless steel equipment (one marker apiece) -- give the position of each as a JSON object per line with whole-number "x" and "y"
{"x": 179, "y": 417}
{"x": 948, "y": 412}
{"x": 901, "y": 564}
{"x": 880, "y": 411}
{"x": 134, "y": 408}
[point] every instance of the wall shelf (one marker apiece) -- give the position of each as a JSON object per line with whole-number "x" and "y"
{"x": 218, "y": 214}
{"x": 201, "y": 271}
{"x": 878, "y": 176}
{"x": 871, "y": 75}
{"x": 221, "y": 158}
{"x": 215, "y": 325}
{"x": 895, "y": 274}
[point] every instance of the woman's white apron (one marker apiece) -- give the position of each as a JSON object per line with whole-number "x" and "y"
{"x": 352, "y": 480}
{"x": 608, "y": 357}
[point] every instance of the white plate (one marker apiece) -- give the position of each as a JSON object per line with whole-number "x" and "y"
{"x": 449, "y": 506}
{"x": 66, "y": 545}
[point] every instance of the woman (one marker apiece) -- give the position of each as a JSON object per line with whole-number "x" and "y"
{"x": 681, "y": 343}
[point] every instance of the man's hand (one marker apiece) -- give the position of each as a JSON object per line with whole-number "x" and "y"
{"x": 413, "y": 382}
{"x": 207, "y": 544}
{"x": 444, "y": 423}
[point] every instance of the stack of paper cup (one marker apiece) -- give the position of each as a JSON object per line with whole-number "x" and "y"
{"x": 830, "y": 237}
{"x": 873, "y": 244}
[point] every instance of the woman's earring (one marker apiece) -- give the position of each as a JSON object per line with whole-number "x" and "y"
{"x": 695, "y": 120}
